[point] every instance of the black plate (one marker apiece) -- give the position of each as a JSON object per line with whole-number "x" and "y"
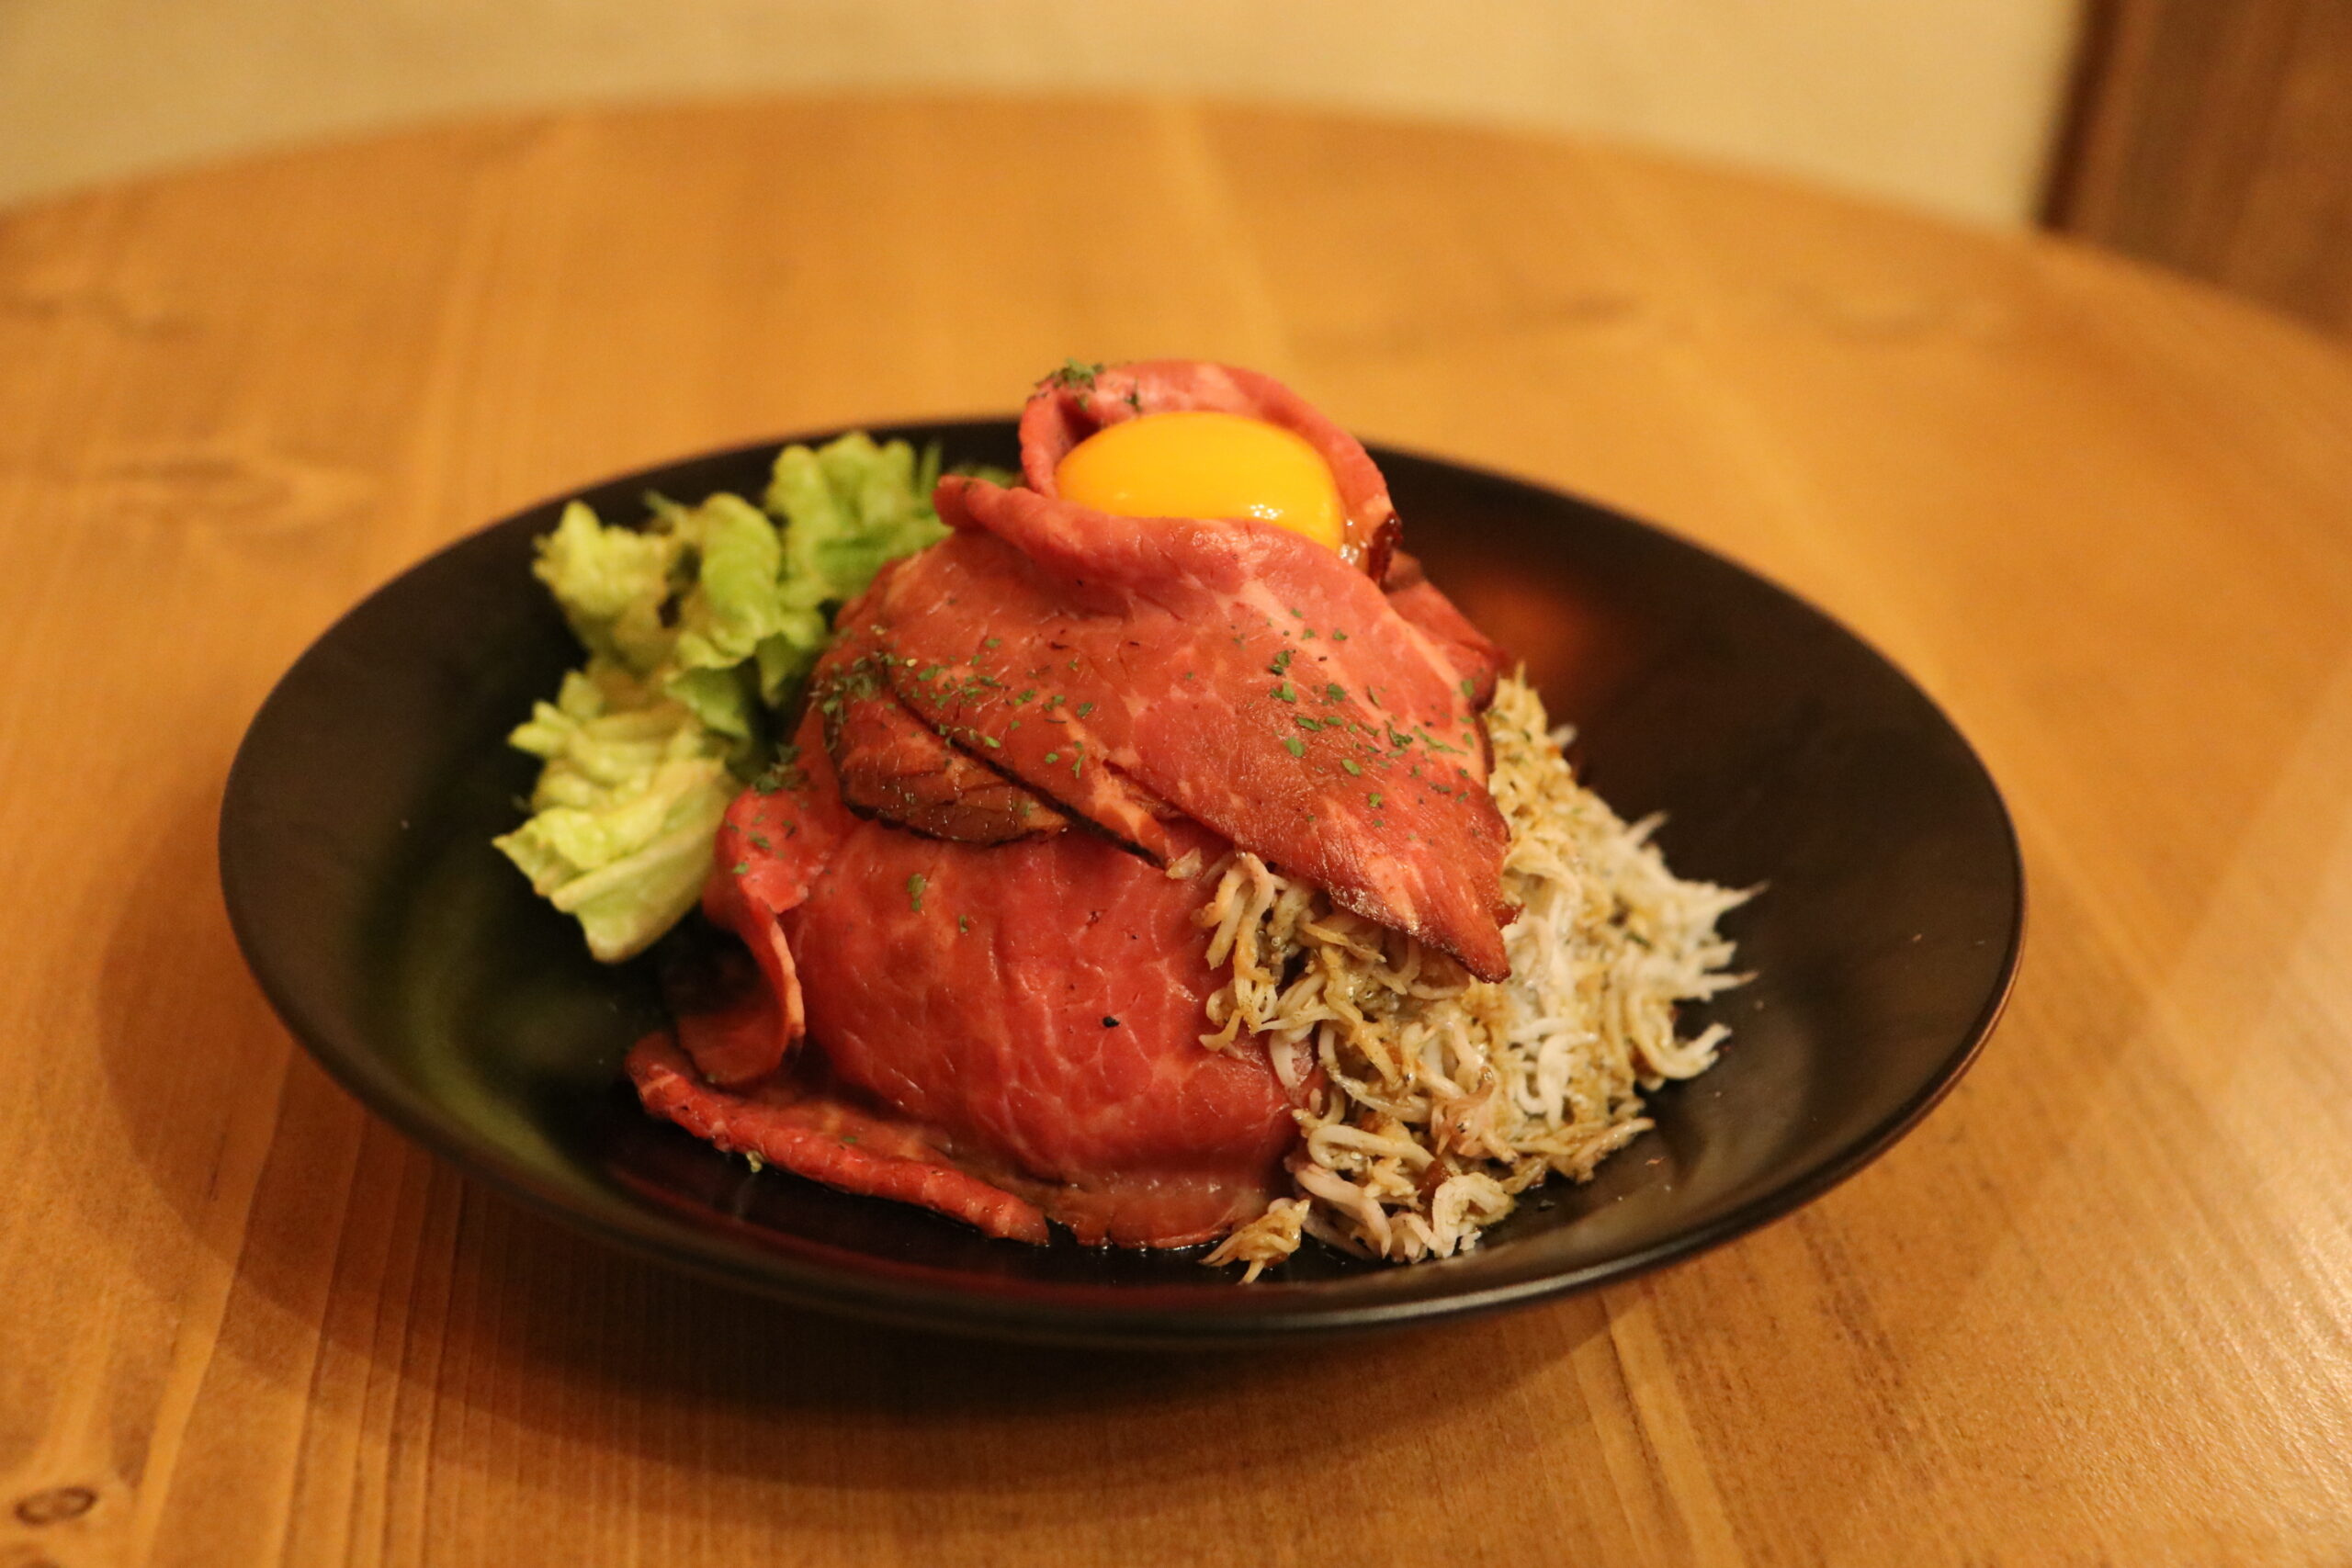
{"x": 414, "y": 962}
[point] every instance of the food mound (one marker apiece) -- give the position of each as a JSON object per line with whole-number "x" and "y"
{"x": 1159, "y": 854}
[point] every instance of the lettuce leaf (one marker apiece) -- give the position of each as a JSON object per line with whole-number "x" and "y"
{"x": 625, "y": 810}
{"x": 700, "y": 629}
{"x": 849, "y": 506}
{"x": 612, "y": 583}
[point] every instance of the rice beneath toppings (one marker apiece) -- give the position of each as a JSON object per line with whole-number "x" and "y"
{"x": 1443, "y": 1098}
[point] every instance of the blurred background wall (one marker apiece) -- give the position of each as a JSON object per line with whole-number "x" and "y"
{"x": 2212, "y": 136}
{"x": 1952, "y": 105}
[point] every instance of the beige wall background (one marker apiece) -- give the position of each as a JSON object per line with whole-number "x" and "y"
{"x": 1946, "y": 104}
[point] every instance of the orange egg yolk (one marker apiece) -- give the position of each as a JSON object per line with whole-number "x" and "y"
{"x": 1198, "y": 463}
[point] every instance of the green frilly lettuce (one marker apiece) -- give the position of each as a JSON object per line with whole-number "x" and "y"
{"x": 700, "y": 630}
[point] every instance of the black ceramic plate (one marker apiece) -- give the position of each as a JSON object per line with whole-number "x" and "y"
{"x": 415, "y": 963}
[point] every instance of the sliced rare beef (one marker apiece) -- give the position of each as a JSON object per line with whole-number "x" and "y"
{"x": 1474, "y": 654}
{"x": 776, "y": 838}
{"x": 1040, "y": 1005}
{"x": 1026, "y": 1015}
{"x": 791, "y": 1122}
{"x": 971, "y": 883}
{"x": 1235, "y": 670}
{"x": 894, "y": 766}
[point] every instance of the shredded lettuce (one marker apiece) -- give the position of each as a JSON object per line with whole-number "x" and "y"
{"x": 612, "y": 583}
{"x": 622, "y": 816}
{"x": 700, "y": 629}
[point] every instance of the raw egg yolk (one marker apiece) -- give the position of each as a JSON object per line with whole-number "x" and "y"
{"x": 1198, "y": 463}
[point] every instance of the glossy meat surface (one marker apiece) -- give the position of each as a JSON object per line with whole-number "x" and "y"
{"x": 802, "y": 1129}
{"x": 1027, "y": 1014}
{"x": 1236, "y": 671}
{"x": 894, "y": 766}
{"x": 1040, "y": 1004}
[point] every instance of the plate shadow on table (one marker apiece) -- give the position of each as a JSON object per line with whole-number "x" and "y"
{"x": 602, "y": 1320}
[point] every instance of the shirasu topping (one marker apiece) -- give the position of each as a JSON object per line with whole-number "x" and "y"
{"x": 1431, "y": 1100}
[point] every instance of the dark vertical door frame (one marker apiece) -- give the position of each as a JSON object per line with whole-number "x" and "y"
{"x": 2215, "y": 137}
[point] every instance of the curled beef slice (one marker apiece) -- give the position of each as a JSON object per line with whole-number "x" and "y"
{"x": 776, "y": 838}
{"x": 1069, "y": 406}
{"x": 894, "y": 766}
{"x": 826, "y": 1139}
{"x": 1474, "y": 655}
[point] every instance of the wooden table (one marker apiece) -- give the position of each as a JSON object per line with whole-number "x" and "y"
{"x": 2096, "y": 1309}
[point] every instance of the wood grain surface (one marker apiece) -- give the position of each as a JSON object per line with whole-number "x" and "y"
{"x": 2094, "y": 1310}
